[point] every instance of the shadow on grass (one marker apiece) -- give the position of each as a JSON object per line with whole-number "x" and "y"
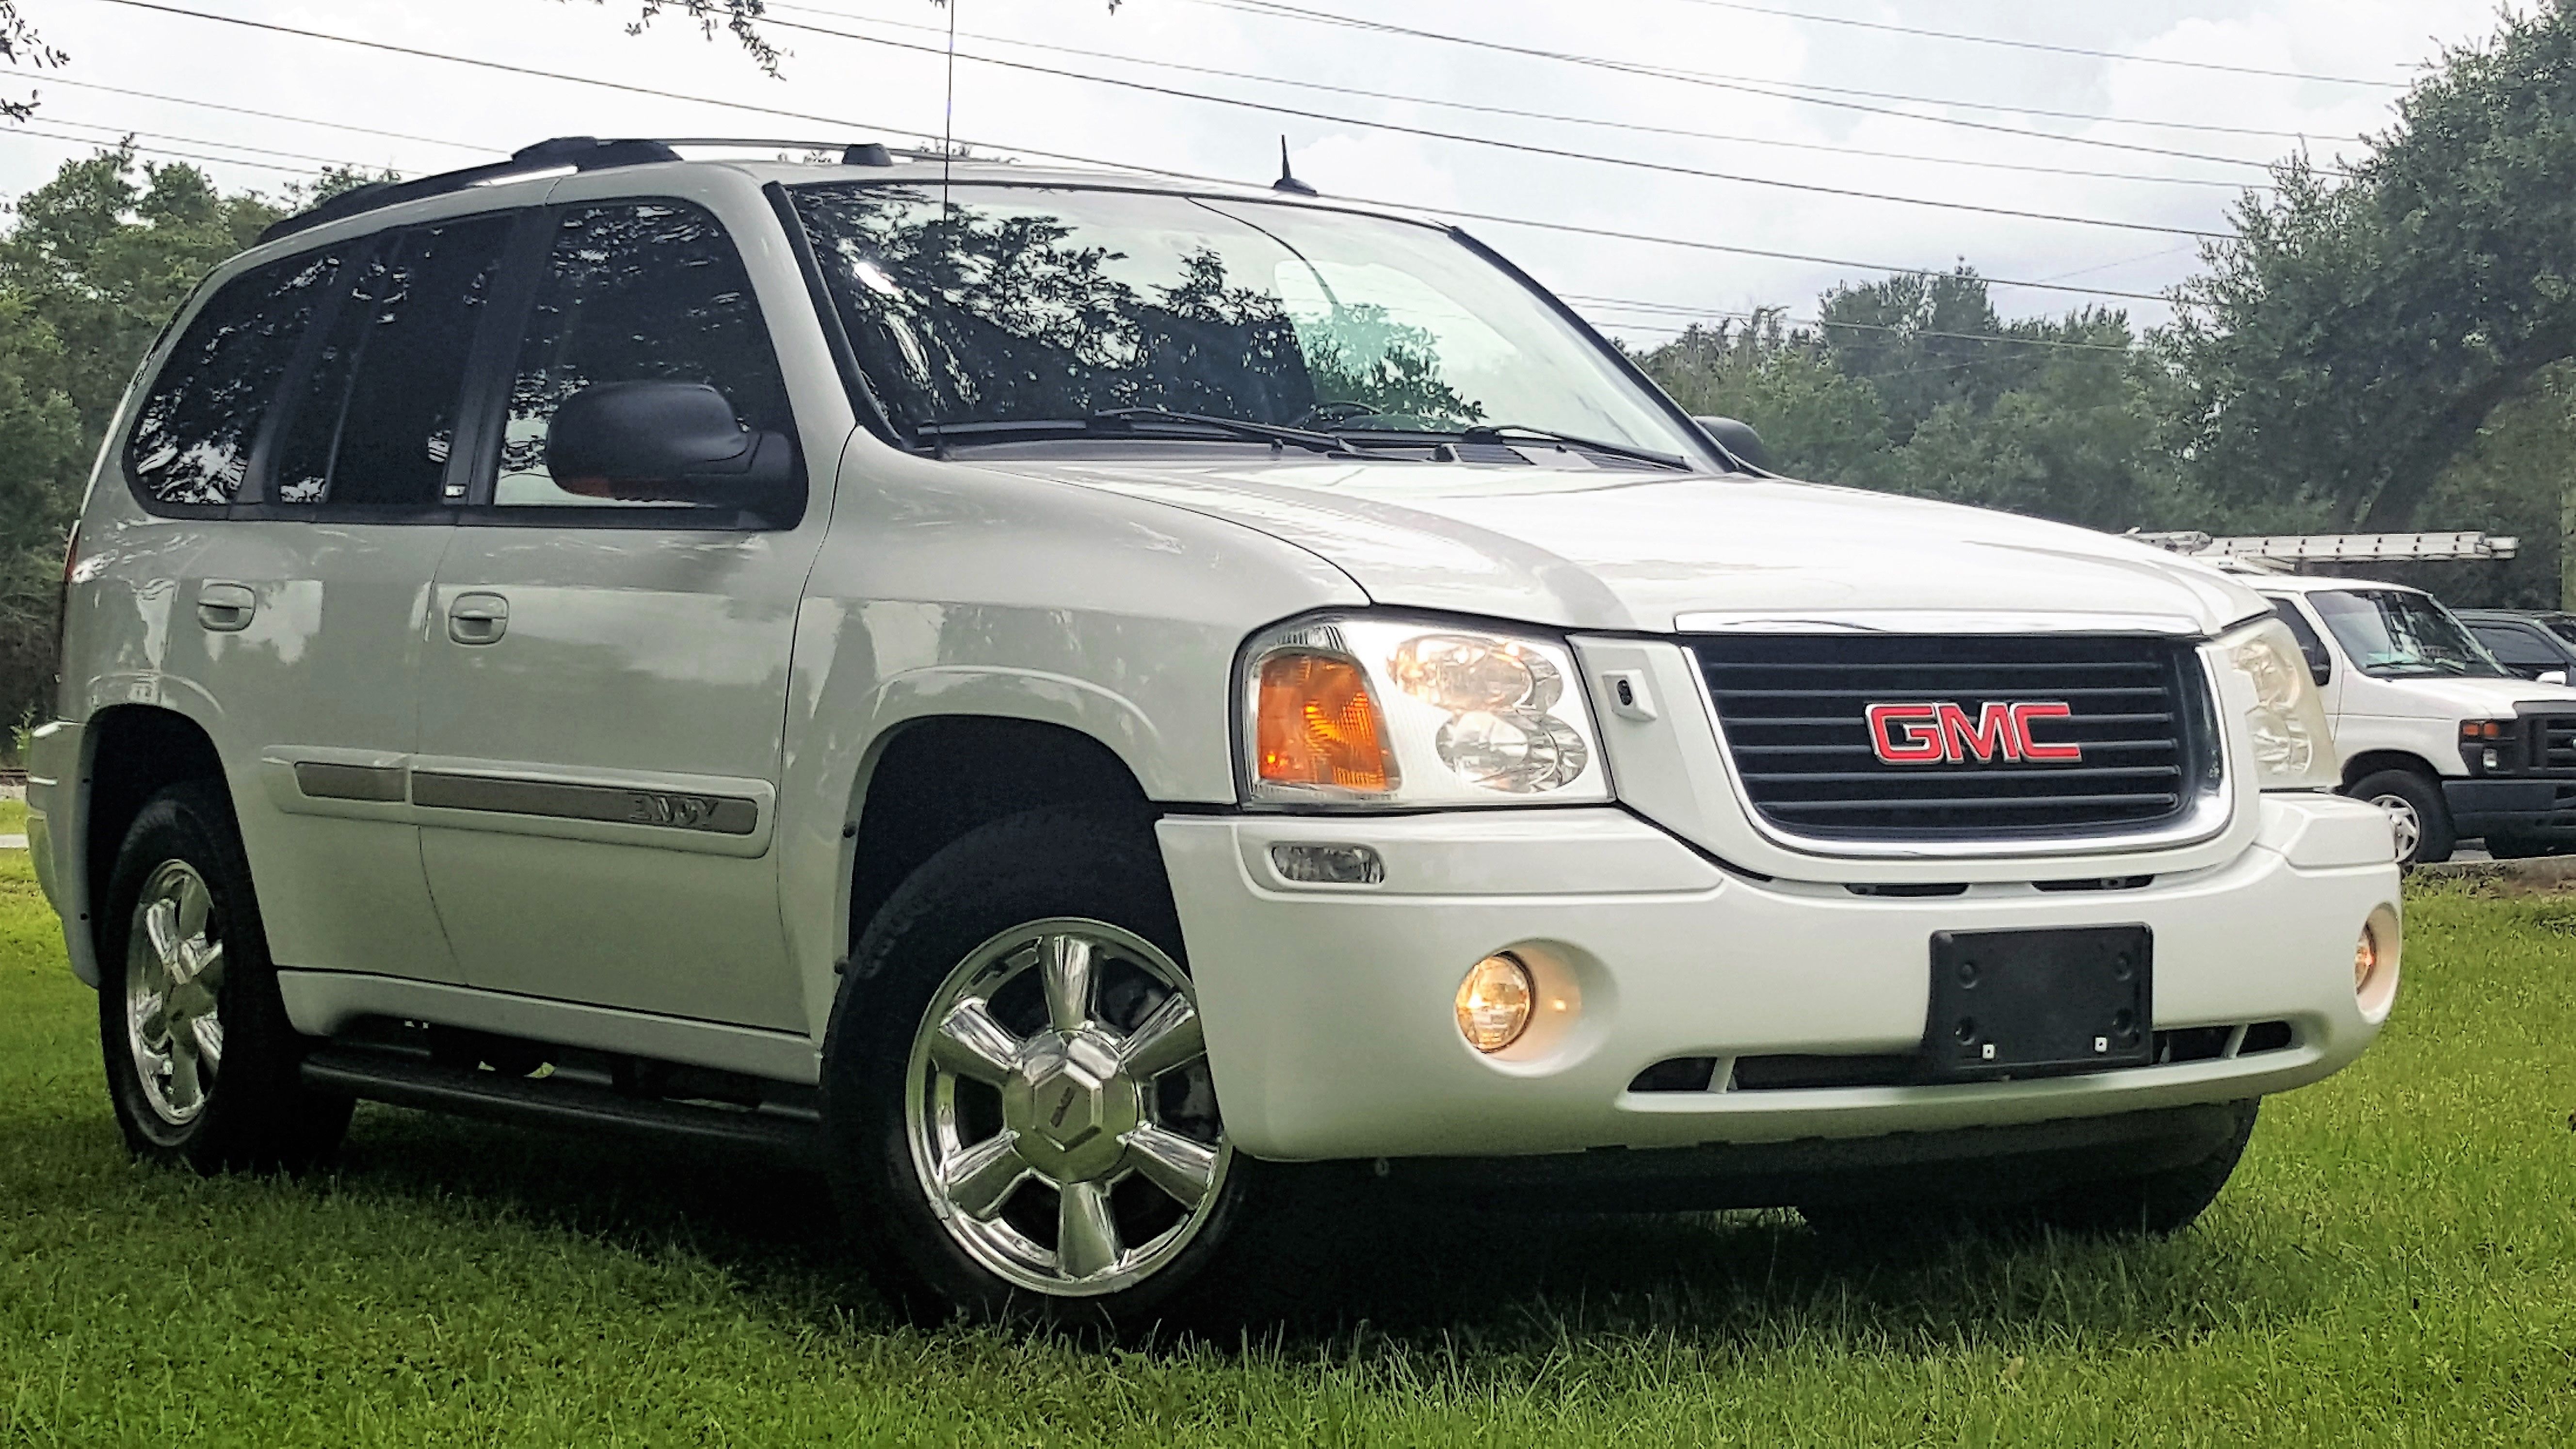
{"x": 1333, "y": 1274}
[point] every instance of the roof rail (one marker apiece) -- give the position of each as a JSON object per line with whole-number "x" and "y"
{"x": 582, "y": 153}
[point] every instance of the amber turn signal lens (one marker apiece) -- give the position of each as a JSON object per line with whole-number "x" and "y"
{"x": 1315, "y": 724}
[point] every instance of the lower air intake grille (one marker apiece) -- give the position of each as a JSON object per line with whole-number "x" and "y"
{"x": 1974, "y": 737}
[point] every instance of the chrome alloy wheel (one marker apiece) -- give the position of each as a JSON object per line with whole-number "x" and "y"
{"x": 1062, "y": 1120}
{"x": 2403, "y": 819}
{"x": 174, "y": 969}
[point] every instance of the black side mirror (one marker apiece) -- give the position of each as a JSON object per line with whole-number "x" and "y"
{"x": 1738, "y": 439}
{"x": 671, "y": 442}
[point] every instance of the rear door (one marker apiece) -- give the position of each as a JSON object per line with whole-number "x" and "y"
{"x": 605, "y": 683}
{"x": 305, "y": 609}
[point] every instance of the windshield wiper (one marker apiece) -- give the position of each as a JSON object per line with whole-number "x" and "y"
{"x": 1494, "y": 433}
{"x": 1121, "y": 423}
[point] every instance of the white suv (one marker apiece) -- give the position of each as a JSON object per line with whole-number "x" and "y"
{"x": 1058, "y": 695}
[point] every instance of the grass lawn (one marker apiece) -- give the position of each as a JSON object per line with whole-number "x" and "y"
{"x": 2394, "y": 1265}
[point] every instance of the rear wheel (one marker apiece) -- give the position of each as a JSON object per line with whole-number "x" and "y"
{"x": 202, "y": 1065}
{"x": 1016, "y": 1086}
{"x": 2416, "y": 812}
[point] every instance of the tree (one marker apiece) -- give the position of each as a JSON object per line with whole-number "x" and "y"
{"x": 2353, "y": 337}
{"x": 21, "y": 45}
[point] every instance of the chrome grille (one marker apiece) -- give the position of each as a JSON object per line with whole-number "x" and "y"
{"x": 1793, "y": 711}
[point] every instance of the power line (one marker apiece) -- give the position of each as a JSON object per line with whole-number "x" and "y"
{"x": 1687, "y": 243}
{"x": 275, "y": 116}
{"x": 1791, "y": 93}
{"x": 1637, "y": 127}
{"x": 202, "y": 141}
{"x": 1524, "y": 148}
{"x": 92, "y": 141}
{"x": 1680, "y": 310}
{"x": 1965, "y": 38}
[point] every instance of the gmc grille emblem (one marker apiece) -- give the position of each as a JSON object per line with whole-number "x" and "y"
{"x": 1937, "y": 732}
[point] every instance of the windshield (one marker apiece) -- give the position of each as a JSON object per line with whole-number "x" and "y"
{"x": 2393, "y": 634}
{"x": 1027, "y": 305}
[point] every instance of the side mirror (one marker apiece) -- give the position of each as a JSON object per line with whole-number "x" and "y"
{"x": 1738, "y": 439}
{"x": 2553, "y": 676}
{"x": 667, "y": 442}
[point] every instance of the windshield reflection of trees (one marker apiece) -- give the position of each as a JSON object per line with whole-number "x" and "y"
{"x": 966, "y": 315}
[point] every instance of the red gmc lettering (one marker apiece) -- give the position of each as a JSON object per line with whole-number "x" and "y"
{"x": 1940, "y": 732}
{"x": 2031, "y": 749}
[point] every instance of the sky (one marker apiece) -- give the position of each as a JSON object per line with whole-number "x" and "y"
{"x": 1770, "y": 89}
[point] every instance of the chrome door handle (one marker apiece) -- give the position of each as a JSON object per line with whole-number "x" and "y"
{"x": 226, "y": 608}
{"x": 478, "y": 618}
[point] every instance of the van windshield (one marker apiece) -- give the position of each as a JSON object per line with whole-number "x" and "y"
{"x": 2396, "y": 634}
{"x": 1019, "y": 312}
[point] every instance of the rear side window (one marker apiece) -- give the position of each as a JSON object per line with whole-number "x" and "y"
{"x": 192, "y": 436}
{"x": 375, "y": 418}
{"x": 2515, "y": 644}
{"x": 635, "y": 292}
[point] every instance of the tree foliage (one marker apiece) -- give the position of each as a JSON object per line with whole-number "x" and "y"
{"x": 2356, "y": 333}
{"x": 21, "y": 45}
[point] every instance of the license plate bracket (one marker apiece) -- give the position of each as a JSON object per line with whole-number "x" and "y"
{"x": 2039, "y": 1003}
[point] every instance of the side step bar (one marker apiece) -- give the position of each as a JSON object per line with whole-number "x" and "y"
{"x": 558, "y": 1102}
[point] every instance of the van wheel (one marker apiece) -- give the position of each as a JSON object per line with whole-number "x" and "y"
{"x": 2415, "y": 809}
{"x": 1016, "y": 1092}
{"x": 2158, "y": 1204}
{"x": 202, "y": 1065}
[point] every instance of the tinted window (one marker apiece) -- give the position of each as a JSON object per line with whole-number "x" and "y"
{"x": 2515, "y": 644}
{"x": 376, "y": 415}
{"x": 635, "y": 292}
{"x": 192, "y": 435}
{"x": 2320, "y": 663}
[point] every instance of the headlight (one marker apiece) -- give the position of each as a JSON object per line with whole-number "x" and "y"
{"x": 1358, "y": 711}
{"x": 2292, "y": 747}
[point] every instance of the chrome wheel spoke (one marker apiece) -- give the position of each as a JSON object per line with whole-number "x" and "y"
{"x": 209, "y": 1032}
{"x": 979, "y": 1179}
{"x": 971, "y": 1044}
{"x": 1163, "y": 1040}
{"x": 193, "y": 907}
{"x": 1180, "y": 1167}
{"x": 161, "y": 929}
{"x": 1086, "y": 1237}
{"x": 1064, "y": 967}
{"x": 187, "y": 1088}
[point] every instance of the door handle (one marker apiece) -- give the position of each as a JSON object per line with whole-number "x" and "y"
{"x": 226, "y": 608}
{"x": 478, "y": 618}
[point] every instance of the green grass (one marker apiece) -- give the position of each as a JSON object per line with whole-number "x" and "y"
{"x": 2395, "y": 1264}
{"x": 13, "y": 817}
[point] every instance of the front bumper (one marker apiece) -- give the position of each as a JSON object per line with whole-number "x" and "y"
{"x": 2507, "y": 806}
{"x": 1329, "y": 1010}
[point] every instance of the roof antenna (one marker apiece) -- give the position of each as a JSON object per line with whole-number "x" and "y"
{"x": 1288, "y": 181}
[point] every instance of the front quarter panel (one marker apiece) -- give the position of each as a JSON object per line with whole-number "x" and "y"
{"x": 945, "y": 589}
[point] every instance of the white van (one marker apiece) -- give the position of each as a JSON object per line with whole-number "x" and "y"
{"x": 1065, "y": 697}
{"x": 2432, "y": 728}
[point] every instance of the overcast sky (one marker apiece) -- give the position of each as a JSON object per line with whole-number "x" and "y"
{"x": 896, "y": 94}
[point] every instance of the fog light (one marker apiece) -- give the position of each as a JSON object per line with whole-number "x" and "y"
{"x": 1494, "y": 1003}
{"x": 2365, "y": 960}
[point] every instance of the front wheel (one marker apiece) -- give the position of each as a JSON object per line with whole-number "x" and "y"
{"x": 2416, "y": 812}
{"x": 1016, "y": 1085}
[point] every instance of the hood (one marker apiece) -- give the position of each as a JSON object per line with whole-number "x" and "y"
{"x": 2473, "y": 697}
{"x": 1588, "y": 548}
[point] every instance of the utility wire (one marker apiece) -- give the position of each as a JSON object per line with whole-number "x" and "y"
{"x": 1637, "y": 127}
{"x": 203, "y": 141}
{"x": 93, "y": 142}
{"x": 1965, "y": 38}
{"x": 275, "y": 116}
{"x": 1414, "y": 208}
{"x": 1525, "y": 148}
{"x": 1679, "y": 310}
{"x": 1791, "y": 90}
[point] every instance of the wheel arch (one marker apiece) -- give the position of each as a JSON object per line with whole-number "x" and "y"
{"x": 129, "y": 753}
{"x": 2370, "y": 762}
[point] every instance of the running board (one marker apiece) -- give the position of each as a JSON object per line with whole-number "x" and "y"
{"x": 568, "y": 1105}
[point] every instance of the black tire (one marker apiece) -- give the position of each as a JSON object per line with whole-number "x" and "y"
{"x": 2527, "y": 847}
{"x": 2158, "y": 1204}
{"x": 1050, "y": 866}
{"x": 250, "y": 1109}
{"x": 2435, "y": 838}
